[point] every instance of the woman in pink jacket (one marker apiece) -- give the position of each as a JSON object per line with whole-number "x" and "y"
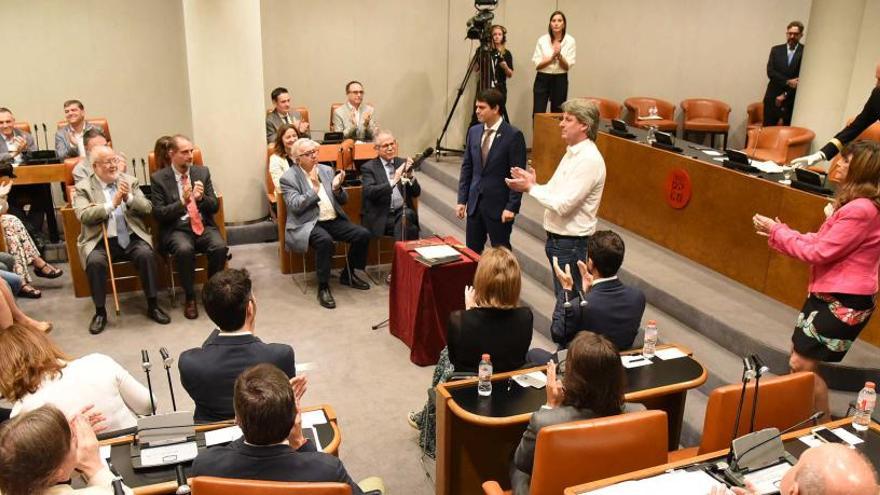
{"x": 844, "y": 256}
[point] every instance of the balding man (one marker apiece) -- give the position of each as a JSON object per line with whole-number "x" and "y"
{"x": 829, "y": 469}
{"x": 386, "y": 185}
{"x": 184, "y": 204}
{"x": 111, "y": 200}
{"x": 92, "y": 138}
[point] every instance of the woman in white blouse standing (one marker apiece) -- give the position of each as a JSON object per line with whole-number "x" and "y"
{"x": 554, "y": 56}
{"x": 35, "y": 372}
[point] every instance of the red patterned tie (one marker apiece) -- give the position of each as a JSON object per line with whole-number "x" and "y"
{"x": 195, "y": 218}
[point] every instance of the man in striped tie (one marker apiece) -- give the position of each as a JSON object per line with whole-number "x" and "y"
{"x": 112, "y": 201}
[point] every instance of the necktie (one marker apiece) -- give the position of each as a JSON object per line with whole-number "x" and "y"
{"x": 287, "y": 119}
{"x": 396, "y": 198}
{"x": 195, "y": 218}
{"x": 123, "y": 237}
{"x": 487, "y": 140}
{"x": 791, "y": 56}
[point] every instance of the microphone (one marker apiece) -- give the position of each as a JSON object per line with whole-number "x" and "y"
{"x": 37, "y": 137}
{"x": 734, "y": 466}
{"x": 117, "y": 479}
{"x": 583, "y": 298}
{"x": 760, "y": 367}
{"x": 748, "y": 374}
{"x": 748, "y": 368}
{"x": 144, "y": 171}
{"x": 167, "y": 360}
{"x": 45, "y": 137}
{"x": 147, "y": 366}
{"x": 133, "y": 170}
{"x": 182, "y": 486}
{"x": 417, "y": 163}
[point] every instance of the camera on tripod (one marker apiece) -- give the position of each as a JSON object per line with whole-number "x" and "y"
{"x": 479, "y": 26}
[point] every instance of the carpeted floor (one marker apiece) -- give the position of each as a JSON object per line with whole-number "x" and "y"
{"x": 364, "y": 374}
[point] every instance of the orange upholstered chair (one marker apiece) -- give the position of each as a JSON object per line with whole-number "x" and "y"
{"x": 592, "y": 449}
{"x": 608, "y": 109}
{"x": 197, "y": 159}
{"x": 23, "y": 126}
{"x": 333, "y": 107}
{"x": 638, "y": 106}
{"x": 97, "y": 122}
{"x": 209, "y": 485}
{"x": 708, "y": 116}
{"x": 304, "y": 113}
{"x": 780, "y": 144}
{"x": 872, "y": 133}
{"x": 783, "y": 401}
{"x": 755, "y": 119}
{"x": 270, "y": 185}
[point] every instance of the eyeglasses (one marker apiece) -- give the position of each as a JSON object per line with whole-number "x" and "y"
{"x": 387, "y": 146}
{"x": 116, "y": 159}
{"x": 308, "y": 153}
{"x": 357, "y": 92}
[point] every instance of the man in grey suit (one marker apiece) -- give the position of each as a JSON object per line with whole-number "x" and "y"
{"x": 282, "y": 115}
{"x": 354, "y": 119}
{"x": 113, "y": 201}
{"x": 314, "y": 197}
{"x": 69, "y": 139}
{"x": 14, "y": 143}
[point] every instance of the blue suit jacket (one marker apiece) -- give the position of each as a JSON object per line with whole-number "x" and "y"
{"x": 613, "y": 310}
{"x": 483, "y": 183}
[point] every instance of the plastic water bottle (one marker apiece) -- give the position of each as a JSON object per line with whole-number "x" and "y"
{"x": 651, "y": 138}
{"x": 650, "y": 347}
{"x": 484, "y": 387}
{"x": 864, "y": 407}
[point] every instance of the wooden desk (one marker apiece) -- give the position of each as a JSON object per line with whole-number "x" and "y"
{"x": 871, "y": 449}
{"x": 39, "y": 174}
{"x": 162, "y": 480}
{"x": 476, "y": 436}
{"x": 715, "y": 228}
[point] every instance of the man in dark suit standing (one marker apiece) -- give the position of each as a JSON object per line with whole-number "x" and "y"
{"x": 493, "y": 148}
{"x": 184, "y": 204}
{"x": 208, "y": 372}
{"x": 783, "y": 69}
{"x": 273, "y": 447}
{"x": 606, "y": 306}
{"x": 386, "y": 184}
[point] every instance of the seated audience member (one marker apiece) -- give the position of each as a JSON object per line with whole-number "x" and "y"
{"x": 184, "y": 205}
{"x": 387, "y": 180}
{"x": 612, "y": 309}
{"x": 272, "y": 447}
{"x": 353, "y": 119}
{"x": 92, "y": 137}
{"x": 19, "y": 243}
{"x": 162, "y": 152}
{"x": 111, "y": 202}
{"x": 282, "y": 114}
{"x": 827, "y": 469}
{"x": 36, "y": 372}
{"x": 208, "y": 372}
{"x": 282, "y": 156}
{"x": 42, "y": 450}
{"x": 314, "y": 197}
{"x": 70, "y": 139}
{"x": 14, "y": 143}
{"x": 592, "y": 387}
{"x": 491, "y": 323}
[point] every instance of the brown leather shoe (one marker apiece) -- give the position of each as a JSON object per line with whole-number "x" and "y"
{"x": 191, "y": 310}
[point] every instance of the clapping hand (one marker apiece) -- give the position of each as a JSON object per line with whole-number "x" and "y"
{"x": 198, "y": 190}
{"x": 564, "y": 277}
{"x": 94, "y": 418}
{"x": 88, "y": 458}
{"x": 764, "y": 225}
{"x": 187, "y": 192}
{"x": 299, "y": 385}
{"x": 122, "y": 190}
{"x": 338, "y": 179}
{"x": 555, "y": 390}
{"x": 303, "y": 127}
{"x": 20, "y": 145}
{"x": 522, "y": 179}
{"x": 470, "y": 297}
{"x": 5, "y": 187}
{"x": 296, "y": 437}
{"x": 368, "y": 115}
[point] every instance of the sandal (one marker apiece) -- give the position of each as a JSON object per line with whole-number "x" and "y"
{"x": 52, "y": 272}
{"x": 30, "y": 292}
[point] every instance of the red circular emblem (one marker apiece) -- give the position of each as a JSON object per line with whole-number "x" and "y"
{"x": 678, "y": 188}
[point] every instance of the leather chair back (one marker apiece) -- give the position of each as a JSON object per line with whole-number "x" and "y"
{"x": 582, "y": 451}
{"x": 756, "y": 114}
{"x": 23, "y": 126}
{"x": 209, "y": 485}
{"x": 780, "y": 144}
{"x": 197, "y": 159}
{"x": 270, "y": 186}
{"x": 872, "y": 133}
{"x": 97, "y": 122}
{"x": 304, "y": 113}
{"x": 333, "y": 107}
{"x": 783, "y": 401}
{"x": 705, "y": 108}
{"x": 639, "y": 105}
{"x": 608, "y": 109}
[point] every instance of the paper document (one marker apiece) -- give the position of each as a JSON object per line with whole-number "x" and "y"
{"x": 769, "y": 167}
{"x": 169, "y": 454}
{"x": 767, "y": 480}
{"x": 846, "y": 435}
{"x": 535, "y": 379}
{"x": 634, "y": 361}
{"x": 437, "y": 252}
{"x": 311, "y": 434}
{"x": 312, "y": 418}
{"x": 104, "y": 451}
{"x": 651, "y": 117}
{"x": 678, "y": 482}
{"x": 222, "y": 435}
{"x": 712, "y": 152}
{"x": 670, "y": 353}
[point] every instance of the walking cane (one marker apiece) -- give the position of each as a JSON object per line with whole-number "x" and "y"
{"x": 110, "y": 261}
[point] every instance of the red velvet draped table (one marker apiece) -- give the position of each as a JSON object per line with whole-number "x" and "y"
{"x": 422, "y": 297}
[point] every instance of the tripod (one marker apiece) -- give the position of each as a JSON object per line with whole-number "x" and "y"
{"x": 482, "y": 58}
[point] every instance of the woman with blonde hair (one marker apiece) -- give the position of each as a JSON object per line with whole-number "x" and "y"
{"x": 36, "y": 372}
{"x": 844, "y": 257}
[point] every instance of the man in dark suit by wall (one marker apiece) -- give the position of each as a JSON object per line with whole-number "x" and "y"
{"x": 493, "y": 148}
{"x": 385, "y": 187}
{"x": 272, "y": 447}
{"x": 208, "y": 372}
{"x": 606, "y": 306}
{"x": 783, "y": 69}
{"x": 184, "y": 205}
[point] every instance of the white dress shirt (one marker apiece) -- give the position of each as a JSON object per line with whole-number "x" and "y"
{"x": 177, "y": 178}
{"x": 325, "y": 207}
{"x": 544, "y": 49}
{"x": 93, "y": 379}
{"x": 494, "y": 128}
{"x": 571, "y": 197}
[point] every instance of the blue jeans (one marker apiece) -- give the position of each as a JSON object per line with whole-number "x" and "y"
{"x": 568, "y": 252}
{"x": 13, "y": 280}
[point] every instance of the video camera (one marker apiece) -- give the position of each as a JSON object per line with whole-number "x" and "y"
{"x": 478, "y": 26}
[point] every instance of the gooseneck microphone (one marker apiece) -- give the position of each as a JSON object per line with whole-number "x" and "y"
{"x": 417, "y": 163}
{"x": 735, "y": 465}
{"x": 167, "y": 360}
{"x": 182, "y": 486}
{"x": 147, "y": 366}
{"x": 45, "y": 136}
{"x": 759, "y": 369}
{"x": 747, "y": 375}
{"x": 37, "y": 137}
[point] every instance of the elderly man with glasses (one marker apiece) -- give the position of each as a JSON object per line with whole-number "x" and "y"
{"x": 314, "y": 197}
{"x": 388, "y": 191}
{"x": 112, "y": 201}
